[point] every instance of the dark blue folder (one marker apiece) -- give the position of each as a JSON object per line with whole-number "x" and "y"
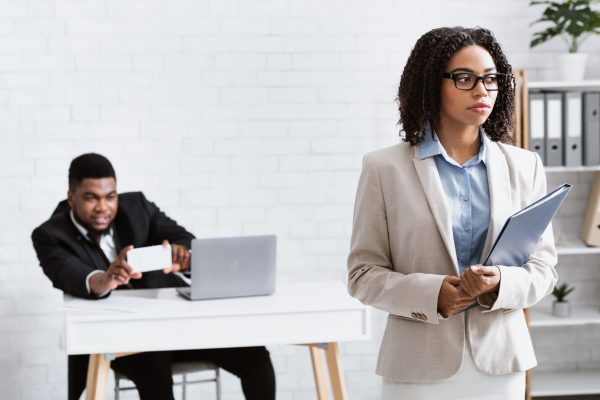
{"x": 523, "y": 230}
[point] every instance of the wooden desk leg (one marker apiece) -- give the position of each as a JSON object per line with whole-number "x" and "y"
{"x": 335, "y": 371}
{"x": 318, "y": 363}
{"x": 97, "y": 377}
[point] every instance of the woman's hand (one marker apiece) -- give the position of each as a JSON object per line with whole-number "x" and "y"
{"x": 478, "y": 280}
{"x": 452, "y": 298}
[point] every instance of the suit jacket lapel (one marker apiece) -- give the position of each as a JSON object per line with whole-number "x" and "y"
{"x": 500, "y": 193}
{"x": 94, "y": 254}
{"x": 87, "y": 249}
{"x": 123, "y": 232}
{"x": 434, "y": 192}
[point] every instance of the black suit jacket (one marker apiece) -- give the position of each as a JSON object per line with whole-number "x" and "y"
{"x": 67, "y": 257}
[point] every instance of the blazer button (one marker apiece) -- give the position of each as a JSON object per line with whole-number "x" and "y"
{"x": 414, "y": 315}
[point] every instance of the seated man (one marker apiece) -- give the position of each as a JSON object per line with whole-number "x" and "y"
{"x": 82, "y": 249}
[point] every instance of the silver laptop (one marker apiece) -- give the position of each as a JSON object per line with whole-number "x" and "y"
{"x": 232, "y": 267}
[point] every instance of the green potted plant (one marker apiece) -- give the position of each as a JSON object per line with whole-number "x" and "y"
{"x": 561, "y": 307}
{"x": 574, "y": 21}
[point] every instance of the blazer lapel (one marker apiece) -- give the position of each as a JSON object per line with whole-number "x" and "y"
{"x": 86, "y": 248}
{"x": 124, "y": 231}
{"x": 434, "y": 192}
{"x": 500, "y": 193}
{"x": 94, "y": 254}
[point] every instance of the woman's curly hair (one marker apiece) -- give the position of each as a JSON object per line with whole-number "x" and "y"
{"x": 419, "y": 90}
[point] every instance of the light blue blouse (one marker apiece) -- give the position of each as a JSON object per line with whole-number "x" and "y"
{"x": 467, "y": 195}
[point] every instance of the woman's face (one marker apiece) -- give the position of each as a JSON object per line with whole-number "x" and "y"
{"x": 467, "y": 107}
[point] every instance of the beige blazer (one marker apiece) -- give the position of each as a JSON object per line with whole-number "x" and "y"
{"x": 402, "y": 248}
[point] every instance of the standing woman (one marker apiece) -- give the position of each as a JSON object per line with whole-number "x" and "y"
{"x": 427, "y": 211}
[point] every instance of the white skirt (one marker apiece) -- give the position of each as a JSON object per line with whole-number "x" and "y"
{"x": 468, "y": 384}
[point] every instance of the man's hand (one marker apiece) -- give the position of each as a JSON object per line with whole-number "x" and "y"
{"x": 118, "y": 273}
{"x": 452, "y": 299}
{"x": 478, "y": 280}
{"x": 180, "y": 258}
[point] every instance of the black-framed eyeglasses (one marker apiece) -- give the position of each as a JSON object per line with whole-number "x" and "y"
{"x": 467, "y": 80}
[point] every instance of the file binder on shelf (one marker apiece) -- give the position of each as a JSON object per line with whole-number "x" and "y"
{"x": 537, "y": 125}
{"x": 523, "y": 230}
{"x": 590, "y": 231}
{"x": 591, "y": 128}
{"x": 572, "y": 126}
{"x": 554, "y": 126}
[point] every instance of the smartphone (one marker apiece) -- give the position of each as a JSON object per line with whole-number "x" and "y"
{"x": 151, "y": 258}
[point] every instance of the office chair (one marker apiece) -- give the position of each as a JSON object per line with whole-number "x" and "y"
{"x": 183, "y": 369}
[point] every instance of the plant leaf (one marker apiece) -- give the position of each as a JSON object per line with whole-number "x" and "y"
{"x": 570, "y": 17}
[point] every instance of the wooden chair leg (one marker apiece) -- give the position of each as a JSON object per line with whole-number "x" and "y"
{"x": 318, "y": 364}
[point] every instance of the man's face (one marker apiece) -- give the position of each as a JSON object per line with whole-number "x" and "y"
{"x": 95, "y": 202}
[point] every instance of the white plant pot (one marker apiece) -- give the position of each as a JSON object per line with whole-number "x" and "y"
{"x": 561, "y": 309}
{"x": 571, "y": 66}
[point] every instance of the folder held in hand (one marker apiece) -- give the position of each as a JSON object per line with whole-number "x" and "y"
{"x": 523, "y": 229}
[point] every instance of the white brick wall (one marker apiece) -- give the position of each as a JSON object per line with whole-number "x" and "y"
{"x": 235, "y": 116}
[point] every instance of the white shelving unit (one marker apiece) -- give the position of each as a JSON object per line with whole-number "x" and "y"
{"x": 566, "y": 383}
{"x": 572, "y": 245}
{"x": 579, "y": 316}
{"x": 572, "y": 382}
{"x": 563, "y": 85}
{"x": 573, "y": 169}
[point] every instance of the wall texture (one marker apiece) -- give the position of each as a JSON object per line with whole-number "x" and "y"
{"x": 235, "y": 116}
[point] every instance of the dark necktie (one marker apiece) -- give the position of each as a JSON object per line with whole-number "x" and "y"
{"x": 95, "y": 239}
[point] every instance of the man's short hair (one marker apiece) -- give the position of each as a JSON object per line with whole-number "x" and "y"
{"x": 89, "y": 165}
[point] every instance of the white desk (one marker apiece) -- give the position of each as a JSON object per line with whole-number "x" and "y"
{"x": 130, "y": 321}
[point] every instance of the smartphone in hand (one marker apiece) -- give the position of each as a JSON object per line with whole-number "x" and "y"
{"x": 151, "y": 258}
